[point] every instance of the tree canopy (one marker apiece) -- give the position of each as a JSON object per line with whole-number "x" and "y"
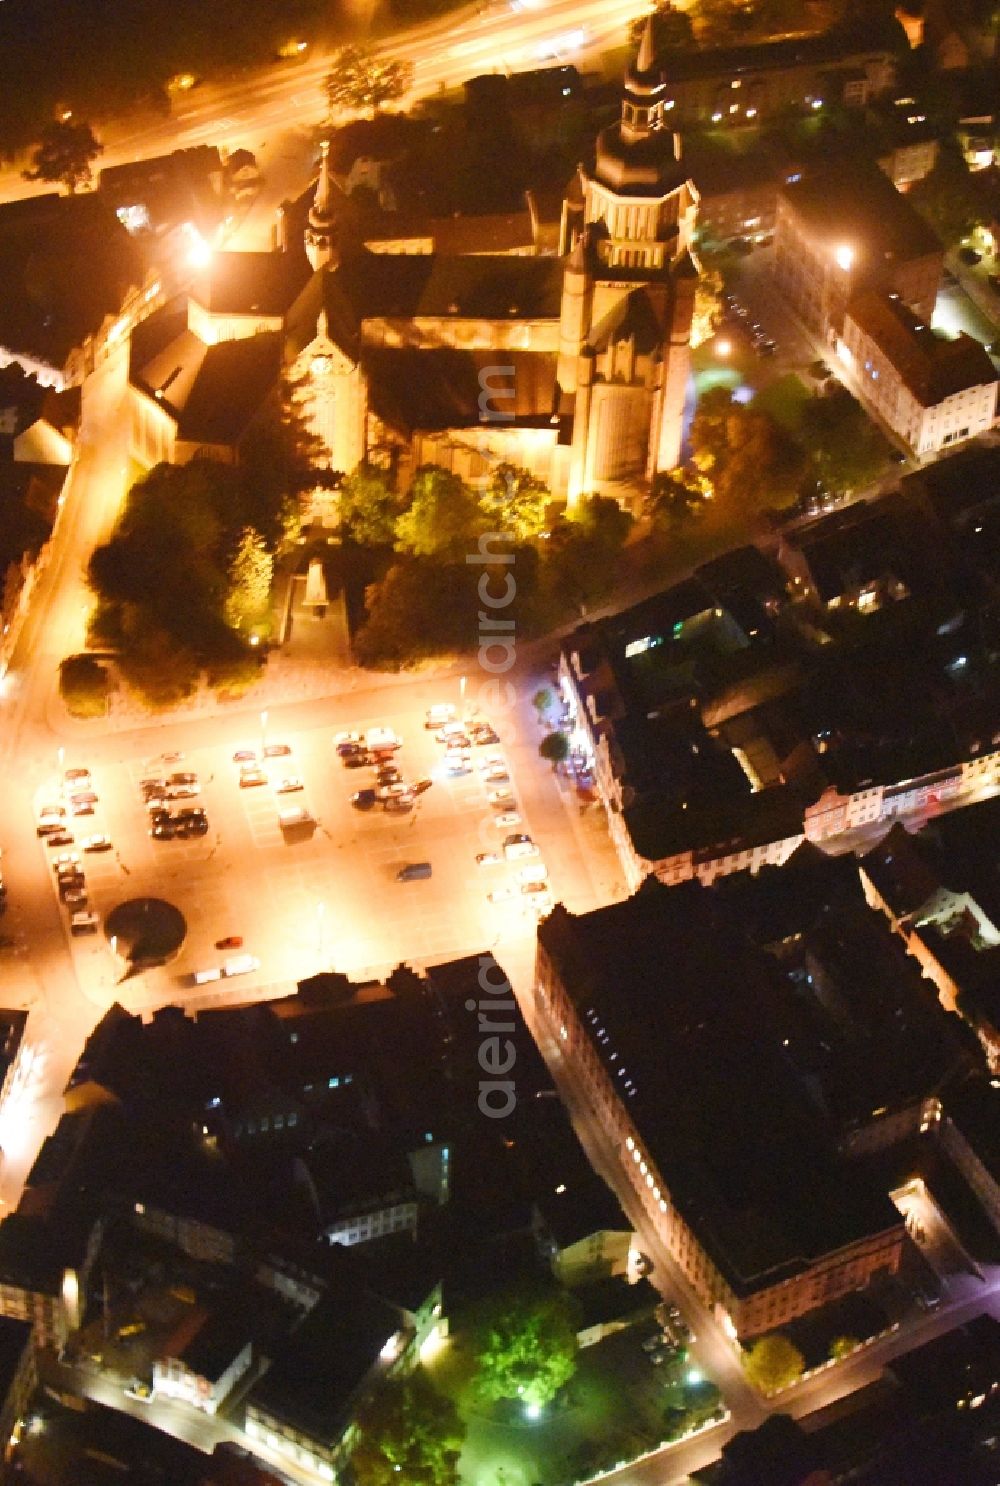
{"x": 443, "y": 517}
{"x": 750, "y": 461}
{"x": 64, "y": 155}
{"x": 675, "y": 497}
{"x": 949, "y": 198}
{"x": 188, "y": 565}
{"x": 358, "y": 78}
{"x": 369, "y": 506}
{"x": 516, "y": 502}
{"x": 408, "y": 1432}
{"x": 525, "y": 1344}
{"x": 773, "y": 1362}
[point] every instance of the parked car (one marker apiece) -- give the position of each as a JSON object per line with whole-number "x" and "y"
{"x": 231, "y": 941}
{"x": 507, "y": 819}
{"x": 394, "y": 791}
{"x": 436, "y": 716}
{"x": 482, "y": 734}
{"x": 501, "y": 799}
{"x": 357, "y": 758}
{"x": 288, "y": 785}
{"x": 83, "y": 921}
{"x": 66, "y": 861}
{"x": 518, "y": 844}
{"x": 58, "y": 838}
{"x": 969, "y": 257}
{"x": 382, "y": 738}
{"x": 245, "y": 756}
{"x": 277, "y": 750}
{"x": 250, "y": 778}
{"x": 75, "y": 779}
{"x": 413, "y": 871}
{"x": 348, "y": 742}
{"x": 388, "y": 774}
{"x": 96, "y": 843}
{"x": 364, "y": 799}
{"x": 489, "y": 859}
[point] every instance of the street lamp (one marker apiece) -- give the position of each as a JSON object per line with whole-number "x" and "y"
{"x": 843, "y": 256}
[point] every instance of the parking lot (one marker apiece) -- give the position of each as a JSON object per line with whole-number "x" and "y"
{"x": 326, "y": 895}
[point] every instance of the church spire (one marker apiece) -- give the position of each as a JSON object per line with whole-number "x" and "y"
{"x": 320, "y": 234}
{"x": 647, "y": 53}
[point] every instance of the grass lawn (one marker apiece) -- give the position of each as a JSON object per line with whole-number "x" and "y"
{"x": 784, "y": 400}
{"x": 616, "y": 1402}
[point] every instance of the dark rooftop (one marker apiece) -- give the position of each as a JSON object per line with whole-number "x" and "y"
{"x": 430, "y": 390}
{"x": 15, "y": 1336}
{"x": 252, "y": 283}
{"x": 739, "y": 1149}
{"x": 313, "y": 1382}
{"x": 216, "y": 1344}
{"x": 66, "y": 263}
{"x": 856, "y": 201}
{"x": 798, "y": 51}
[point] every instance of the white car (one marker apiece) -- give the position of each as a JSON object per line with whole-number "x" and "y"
{"x": 96, "y": 843}
{"x": 240, "y": 965}
{"x": 382, "y": 738}
{"x": 519, "y": 845}
{"x": 501, "y": 799}
{"x": 65, "y": 860}
{"x": 501, "y": 895}
{"x": 536, "y": 872}
{"x": 506, "y": 821}
{"x": 438, "y": 715}
{"x": 400, "y": 791}
{"x": 82, "y": 921}
{"x": 450, "y": 730}
{"x": 489, "y": 859}
{"x": 288, "y": 786}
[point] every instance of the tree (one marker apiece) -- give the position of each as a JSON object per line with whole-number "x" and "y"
{"x": 420, "y": 608}
{"x": 707, "y": 305}
{"x": 543, "y": 699}
{"x": 675, "y": 497}
{"x": 843, "y": 1346}
{"x": 359, "y": 79}
{"x": 773, "y": 1362}
{"x": 846, "y": 448}
{"x": 671, "y": 28}
{"x": 64, "y": 154}
{"x": 516, "y": 502}
{"x": 251, "y": 571}
{"x": 369, "y": 506}
{"x": 84, "y": 685}
{"x": 583, "y": 548}
{"x": 526, "y": 1346}
{"x": 554, "y": 747}
{"x": 949, "y": 198}
{"x": 443, "y": 518}
{"x": 408, "y": 1432}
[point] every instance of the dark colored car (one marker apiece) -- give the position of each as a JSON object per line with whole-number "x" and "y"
{"x": 163, "y": 830}
{"x": 969, "y": 257}
{"x": 231, "y": 941}
{"x": 364, "y": 799}
{"x": 59, "y": 838}
{"x": 194, "y": 826}
{"x": 360, "y": 759}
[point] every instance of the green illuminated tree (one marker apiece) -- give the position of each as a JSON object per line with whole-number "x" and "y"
{"x": 843, "y": 1346}
{"x": 443, "y": 518}
{"x": 369, "y": 506}
{"x": 526, "y": 1346}
{"x": 675, "y": 497}
{"x": 250, "y": 573}
{"x": 64, "y": 155}
{"x": 408, "y": 1432}
{"x": 949, "y": 198}
{"x": 707, "y": 305}
{"x": 359, "y": 79}
{"x": 516, "y": 502}
{"x": 773, "y": 1362}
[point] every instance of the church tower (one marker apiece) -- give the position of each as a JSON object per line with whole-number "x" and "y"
{"x": 628, "y": 292}
{"x": 320, "y": 235}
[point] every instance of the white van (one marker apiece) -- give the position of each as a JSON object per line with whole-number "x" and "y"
{"x": 381, "y": 738}
{"x": 294, "y": 815}
{"x": 240, "y": 965}
{"x": 202, "y": 977}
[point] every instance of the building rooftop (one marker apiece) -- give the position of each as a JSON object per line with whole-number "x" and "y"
{"x": 314, "y": 1380}
{"x": 853, "y": 201}
{"x": 265, "y": 284}
{"x": 218, "y": 1341}
{"x": 765, "y": 56}
{"x": 213, "y": 392}
{"x": 931, "y": 367}
{"x": 958, "y": 487}
{"x": 673, "y": 1018}
{"x": 66, "y": 263}
{"x": 429, "y": 390}
{"x": 410, "y": 285}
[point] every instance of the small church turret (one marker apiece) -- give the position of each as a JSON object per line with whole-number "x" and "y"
{"x": 575, "y": 313}
{"x": 320, "y": 237}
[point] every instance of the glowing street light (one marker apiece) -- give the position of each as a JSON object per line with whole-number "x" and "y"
{"x": 263, "y": 732}
{"x": 843, "y": 256}
{"x": 199, "y": 252}
{"x": 723, "y": 347}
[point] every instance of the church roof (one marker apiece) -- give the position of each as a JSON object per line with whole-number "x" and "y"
{"x": 420, "y": 390}
{"x": 213, "y": 393}
{"x": 634, "y": 318}
{"x": 252, "y": 283}
{"x": 407, "y": 286}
